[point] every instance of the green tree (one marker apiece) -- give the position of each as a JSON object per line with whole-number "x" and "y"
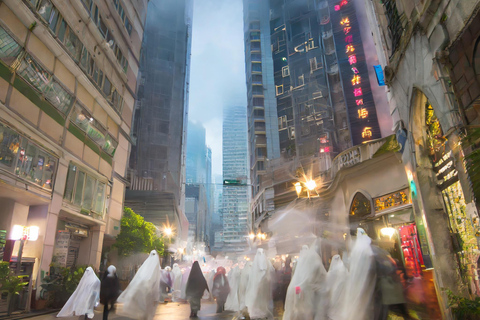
{"x": 10, "y": 283}
{"x": 137, "y": 235}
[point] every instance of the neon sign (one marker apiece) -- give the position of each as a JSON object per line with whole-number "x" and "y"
{"x": 360, "y": 104}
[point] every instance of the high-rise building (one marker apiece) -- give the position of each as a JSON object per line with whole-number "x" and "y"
{"x": 157, "y": 161}
{"x": 210, "y": 199}
{"x": 217, "y": 216}
{"x": 196, "y": 164}
{"x": 235, "y": 161}
{"x": 68, "y": 72}
{"x": 323, "y": 99}
{"x": 262, "y": 115}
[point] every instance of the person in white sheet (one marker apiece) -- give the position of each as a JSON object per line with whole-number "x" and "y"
{"x": 336, "y": 280}
{"x": 166, "y": 283}
{"x": 142, "y": 295}
{"x": 208, "y": 295}
{"x": 177, "y": 282}
{"x": 84, "y": 299}
{"x": 232, "y": 303}
{"x": 306, "y": 287}
{"x": 258, "y": 297}
{"x": 242, "y": 285}
{"x": 358, "y": 298}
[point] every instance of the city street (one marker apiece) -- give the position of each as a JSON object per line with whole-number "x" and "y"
{"x": 170, "y": 311}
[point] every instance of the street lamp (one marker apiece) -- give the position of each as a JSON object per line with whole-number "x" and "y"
{"x": 311, "y": 185}
{"x": 23, "y": 234}
{"x": 168, "y": 231}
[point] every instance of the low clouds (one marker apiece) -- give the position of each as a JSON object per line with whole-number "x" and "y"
{"x": 217, "y": 67}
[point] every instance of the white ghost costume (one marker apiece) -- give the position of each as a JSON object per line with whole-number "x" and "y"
{"x": 208, "y": 295}
{"x": 336, "y": 280}
{"x": 142, "y": 295}
{"x": 84, "y": 298}
{"x": 258, "y": 298}
{"x": 186, "y": 274}
{"x": 305, "y": 288}
{"x": 164, "y": 282}
{"x": 232, "y": 303}
{"x": 177, "y": 282}
{"x": 242, "y": 285}
{"x": 360, "y": 284}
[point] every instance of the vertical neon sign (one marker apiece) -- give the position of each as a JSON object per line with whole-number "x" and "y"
{"x": 361, "y": 109}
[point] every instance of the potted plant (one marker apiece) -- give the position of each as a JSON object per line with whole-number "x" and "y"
{"x": 11, "y": 284}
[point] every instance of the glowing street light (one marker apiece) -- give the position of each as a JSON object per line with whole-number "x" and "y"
{"x": 251, "y": 236}
{"x": 168, "y": 231}
{"x": 298, "y": 188}
{"x": 311, "y": 185}
{"x": 387, "y": 231}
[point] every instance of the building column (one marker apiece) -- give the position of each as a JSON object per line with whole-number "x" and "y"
{"x": 97, "y": 233}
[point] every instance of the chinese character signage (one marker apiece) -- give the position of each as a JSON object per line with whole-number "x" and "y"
{"x": 362, "y": 115}
{"x": 392, "y": 200}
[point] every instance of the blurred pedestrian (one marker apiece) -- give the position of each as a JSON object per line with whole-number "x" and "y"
{"x": 232, "y": 302}
{"x": 242, "y": 286}
{"x": 304, "y": 300}
{"x": 196, "y": 286}
{"x": 142, "y": 295}
{"x": 220, "y": 288}
{"x": 109, "y": 290}
{"x": 258, "y": 297}
{"x": 177, "y": 282}
{"x": 85, "y": 297}
{"x": 336, "y": 280}
{"x": 389, "y": 286}
{"x": 166, "y": 283}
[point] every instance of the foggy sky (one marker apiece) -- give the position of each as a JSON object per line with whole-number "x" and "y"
{"x": 217, "y": 68}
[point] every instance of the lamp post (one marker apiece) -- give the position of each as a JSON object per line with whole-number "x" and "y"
{"x": 23, "y": 234}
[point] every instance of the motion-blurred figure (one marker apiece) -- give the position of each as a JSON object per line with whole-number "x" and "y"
{"x": 166, "y": 283}
{"x": 142, "y": 295}
{"x": 242, "y": 286}
{"x": 109, "y": 290}
{"x": 336, "y": 280}
{"x": 258, "y": 298}
{"x": 304, "y": 294}
{"x": 84, "y": 298}
{"x": 177, "y": 282}
{"x": 232, "y": 303}
{"x": 358, "y": 298}
{"x": 196, "y": 285}
{"x": 220, "y": 288}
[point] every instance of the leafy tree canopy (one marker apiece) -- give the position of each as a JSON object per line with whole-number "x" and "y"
{"x": 137, "y": 235}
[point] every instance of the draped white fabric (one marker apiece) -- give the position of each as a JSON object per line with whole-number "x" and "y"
{"x": 232, "y": 302}
{"x": 336, "y": 280}
{"x": 142, "y": 295}
{"x": 177, "y": 282}
{"x": 86, "y": 296}
{"x": 164, "y": 273}
{"x": 306, "y": 292}
{"x": 357, "y": 303}
{"x": 186, "y": 273}
{"x": 258, "y": 297}
{"x": 242, "y": 285}
{"x": 209, "y": 277}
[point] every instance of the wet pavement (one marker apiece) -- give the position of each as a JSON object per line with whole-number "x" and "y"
{"x": 168, "y": 311}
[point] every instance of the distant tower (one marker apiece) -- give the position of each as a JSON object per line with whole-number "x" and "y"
{"x": 235, "y": 198}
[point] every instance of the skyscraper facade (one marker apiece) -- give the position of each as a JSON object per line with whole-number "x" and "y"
{"x": 196, "y": 163}
{"x": 68, "y": 72}
{"x": 235, "y": 161}
{"x": 263, "y": 141}
{"x": 158, "y": 157}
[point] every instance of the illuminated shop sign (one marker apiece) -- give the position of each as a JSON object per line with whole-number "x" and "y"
{"x": 362, "y": 115}
{"x": 392, "y": 200}
{"x": 446, "y": 171}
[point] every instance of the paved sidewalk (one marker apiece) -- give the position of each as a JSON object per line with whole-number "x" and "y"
{"x": 168, "y": 311}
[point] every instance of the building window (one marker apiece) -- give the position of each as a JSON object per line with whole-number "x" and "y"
{"x": 282, "y": 122}
{"x": 279, "y": 89}
{"x": 360, "y": 208}
{"x": 300, "y": 81}
{"x": 86, "y": 192}
{"x": 285, "y": 71}
{"x": 395, "y": 27}
{"x": 121, "y": 11}
{"x": 34, "y": 73}
{"x": 35, "y": 165}
{"x": 291, "y": 133}
{"x": 58, "y": 96}
{"x": 257, "y": 102}
{"x": 9, "y": 48}
{"x": 314, "y": 65}
{"x": 256, "y": 67}
{"x": 9, "y": 146}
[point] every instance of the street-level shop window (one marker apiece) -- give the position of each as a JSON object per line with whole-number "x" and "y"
{"x": 361, "y": 207}
{"x": 85, "y": 191}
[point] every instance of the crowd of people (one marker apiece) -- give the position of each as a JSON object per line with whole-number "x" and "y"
{"x": 364, "y": 284}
